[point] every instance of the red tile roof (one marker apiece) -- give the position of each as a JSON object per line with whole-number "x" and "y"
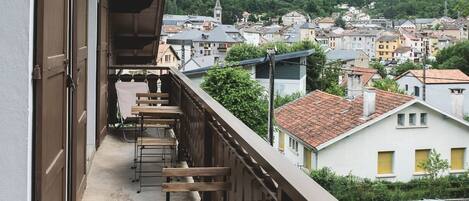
{"x": 319, "y": 117}
{"x": 367, "y": 74}
{"x": 437, "y": 76}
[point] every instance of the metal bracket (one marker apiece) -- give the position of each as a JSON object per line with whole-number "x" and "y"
{"x": 70, "y": 83}
{"x": 37, "y": 72}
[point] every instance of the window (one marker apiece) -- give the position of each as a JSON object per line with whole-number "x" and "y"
{"x": 307, "y": 158}
{"x": 406, "y": 87}
{"x": 416, "y": 91}
{"x": 401, "y": 119}
{"x": 281, "y": 141}
{"x": 423, "y": 119}
{"x": 420, "y": 157}
{"x": 457, "y": 158}
{"x": 412, "y": 119}
{"x": 385, "y": 162}
{"x": 293, "y": 144}
{"x": 167, "y": 58}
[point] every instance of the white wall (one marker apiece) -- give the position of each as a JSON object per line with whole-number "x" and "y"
{"x": 16, "y": 61}
{"x": 358, "y": 153}
{"x": 285, "y": 87}
{"x": 437, "y": 95}
{"x": 91, "y": 98}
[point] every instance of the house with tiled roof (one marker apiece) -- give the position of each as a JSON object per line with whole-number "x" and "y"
{"x": 445, "y": 89}
{"x": 367, "y": 76}
{"x": 376, "y": 135}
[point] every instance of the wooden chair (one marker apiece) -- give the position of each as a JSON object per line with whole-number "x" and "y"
{"x": 196, "y": 186}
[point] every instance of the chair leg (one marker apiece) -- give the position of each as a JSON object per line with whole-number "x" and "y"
{"x": 140, "y": 171}
{"x": 168, "y": 180}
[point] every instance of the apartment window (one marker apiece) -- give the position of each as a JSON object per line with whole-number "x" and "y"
{"x": 420, "y": 157}
{"x": 387, "y": 46}
{"x": 293, "y": 144}
{"x": 416, "y": 91}
{"x": 412, "y": 119}
{"x": 423, "y": 119}
{"x": 401, "y": 119}
{"x": 457, "y": 158}
{"x": 385, "y": 162}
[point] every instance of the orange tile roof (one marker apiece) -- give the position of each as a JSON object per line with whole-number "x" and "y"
{"x": 437, "y": 76}
{"x": 319, "y": 117}
{"x": 367, "y": 74}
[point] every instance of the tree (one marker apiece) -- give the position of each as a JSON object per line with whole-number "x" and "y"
{"x": 380, "y": 68}
{"x": 454, "y": 57}
{"x": 339, "y": 22}
{"x": 252, "y": 18}
{"x": 404, "y": 67}
{"x": 279, "y": 101}
{"x": 434, "y": 165}
{"x": 315, "y": 63}
{"x": 388, "y": 84}
{"x": 242, "y": 52}
{"x": 241, "y": 95}
{"x": 336, "y": 89}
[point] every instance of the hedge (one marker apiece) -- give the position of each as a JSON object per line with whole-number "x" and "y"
{"x": 352, "y": 188}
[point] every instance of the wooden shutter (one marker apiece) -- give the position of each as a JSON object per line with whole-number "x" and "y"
{"x": 307, "y": 158}
{"x": 457, "y": 158}
{"x": 385, "y": 162}
{"x": 79, "y": 96}
{"x": 281, "y": 141}
{"x": 52, "y": 39}
{"x": 103, "y": 62}
{"x": 420, "y": 157}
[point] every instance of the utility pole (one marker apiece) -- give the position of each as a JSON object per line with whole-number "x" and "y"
{"x": 425, "y": 54}
{"x": 271, "y": 55}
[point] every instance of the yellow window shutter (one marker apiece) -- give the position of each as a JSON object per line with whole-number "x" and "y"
{"x": 457, "y": 158}
{"x": 307, "y": 158}
{"x": 420, "y": 157}
{"x": 385, "y": 162}
{"x": 281, "y": 141}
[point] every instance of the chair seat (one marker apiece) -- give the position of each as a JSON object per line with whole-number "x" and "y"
{"x": 153, "y": 141}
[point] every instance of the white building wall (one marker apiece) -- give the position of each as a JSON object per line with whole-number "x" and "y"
{"x": 358, "y": 153}
{"x": 285, "y": 87}
{"x": 16, "y": 61}
{"x": 252, "y": 38}
{"x": 92, "y": 70}
{"x": 437, "y": 95}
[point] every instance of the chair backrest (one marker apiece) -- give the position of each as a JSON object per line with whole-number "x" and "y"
{"x": 127, "y": 95}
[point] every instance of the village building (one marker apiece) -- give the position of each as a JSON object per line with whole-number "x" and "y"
{"x": 392, "y": 134}
{"x": 444, "y": 89}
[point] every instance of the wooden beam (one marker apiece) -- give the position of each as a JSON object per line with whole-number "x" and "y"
{"x": 164, "y": 102}
{"x": 153, "y": 95}
{"x": 196, "y": 171}
{"x": 159, "y": 121}
{"x": 197, "y": 186}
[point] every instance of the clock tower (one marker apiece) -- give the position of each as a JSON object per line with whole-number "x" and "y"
{"x": 217, "y": 11}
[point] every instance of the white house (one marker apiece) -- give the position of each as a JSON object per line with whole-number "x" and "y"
{"x": 445, "y": 89}
{"x": 378, "y": 135}
{"x": 294, "y": 17}
{"x": 359, "y": 39}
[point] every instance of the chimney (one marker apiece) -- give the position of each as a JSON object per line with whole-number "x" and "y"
{"x": 457, "y": 102}
{"x": 354, "y": 85}
{"x": 369, "y": 102}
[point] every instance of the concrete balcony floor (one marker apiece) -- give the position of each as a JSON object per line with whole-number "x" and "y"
{"x": 110, "y": 176}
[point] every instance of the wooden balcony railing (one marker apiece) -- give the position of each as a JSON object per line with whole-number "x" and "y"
{"x": 210, "y": 136}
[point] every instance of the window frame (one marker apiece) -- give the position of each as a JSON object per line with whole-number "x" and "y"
{"x": 463, "y": 162}
{"x": 412, "y": 119}
{"x": 418, "y": 169}
{"x": 423, "y": 119}
{"x": 399, "y": 123}
{"x": 391, "y": 159}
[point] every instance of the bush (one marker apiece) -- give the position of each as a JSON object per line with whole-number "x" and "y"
{"x": 352, "y": 188}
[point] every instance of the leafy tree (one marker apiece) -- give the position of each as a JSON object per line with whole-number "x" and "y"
{"x": 242, "y": 52}
{"x": 388, "y": 84}
{"x": 466, "y": 117}
{"x": 462, "y": 6}
{"x": 279, "y": 101}
{"x": 380, "y": 68}
{"x": 404, "y": 67}
{"x": 252, "y": 18}
{"x": 241, "y": 95}
{"x": 434, "y": 166}
{"x": 454, "y": 57}
{"x": 339, "y": 22}
{"x": 336, "y": 89}
{"x": 316, "y": 64}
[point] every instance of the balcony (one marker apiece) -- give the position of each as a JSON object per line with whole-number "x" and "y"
{"x": 208, "y": 135}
